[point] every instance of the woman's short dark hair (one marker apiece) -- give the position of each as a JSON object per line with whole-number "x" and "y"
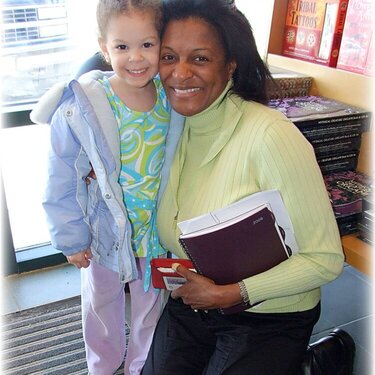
{"x": 234, "y": 30}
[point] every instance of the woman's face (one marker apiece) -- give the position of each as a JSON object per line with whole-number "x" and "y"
{"x": 192, "y": 65}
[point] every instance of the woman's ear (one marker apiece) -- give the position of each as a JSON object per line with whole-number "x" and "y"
{"x": 232, "y": 66}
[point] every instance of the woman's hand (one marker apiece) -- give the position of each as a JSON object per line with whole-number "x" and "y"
{"x": 202, "y": 293}
{"x": 81, "y": 259}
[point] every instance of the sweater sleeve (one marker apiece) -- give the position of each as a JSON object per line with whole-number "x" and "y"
{"x": 286, "y": 161}
{"x": 66, "y": 191}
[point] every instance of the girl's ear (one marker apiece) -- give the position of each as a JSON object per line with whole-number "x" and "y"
{"x": 104, "y": 49}
{"x": 232, "y": 66}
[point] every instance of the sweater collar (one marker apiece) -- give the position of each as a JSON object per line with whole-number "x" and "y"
{"x": 211, "y": 118}
{"x": 221, "y": 116}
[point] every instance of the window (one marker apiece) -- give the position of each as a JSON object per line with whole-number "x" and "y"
{"x": 43, "y": 42}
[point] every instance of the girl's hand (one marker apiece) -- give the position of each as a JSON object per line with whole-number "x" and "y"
{"x": 81, "y": 259}
{"x": 90, "y": 176}
{"x": 202, "y": 293}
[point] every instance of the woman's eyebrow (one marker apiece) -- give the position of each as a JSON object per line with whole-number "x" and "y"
{"x": 203, "y": 49}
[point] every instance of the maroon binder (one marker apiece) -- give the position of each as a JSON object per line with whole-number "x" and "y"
{"x": 243, "y": 249}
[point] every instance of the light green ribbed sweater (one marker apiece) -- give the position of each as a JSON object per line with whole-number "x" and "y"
{"x": 236, "y": 148}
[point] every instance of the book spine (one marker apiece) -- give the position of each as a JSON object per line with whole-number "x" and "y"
{"x": 343, "y": 6}
{"x": 338, "y": 163}
{"x": 362, "y": 119}
{"x": 187, "y": 252}
{"x": 325, "y": 132}
{"x": 338, "y": 146}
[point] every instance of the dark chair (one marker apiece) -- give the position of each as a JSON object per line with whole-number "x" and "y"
{"x": 331, "y": 355}
{"x": 95, "y": 62}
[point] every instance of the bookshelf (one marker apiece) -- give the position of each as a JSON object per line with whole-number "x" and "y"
{"x": 344, "y": 86}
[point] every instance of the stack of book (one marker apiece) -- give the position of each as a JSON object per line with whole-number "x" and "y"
{"x": 349, "y": 191}
{"x": 333, "y": 128}
{"x": 366, "y": 224}
{"x": 288, "y": 84}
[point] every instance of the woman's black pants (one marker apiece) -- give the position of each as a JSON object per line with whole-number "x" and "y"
{"x": 199, "y": 343}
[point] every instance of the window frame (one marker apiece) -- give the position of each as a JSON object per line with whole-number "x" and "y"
{"x": 33, "y": 257}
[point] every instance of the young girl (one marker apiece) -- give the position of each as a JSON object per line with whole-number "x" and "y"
{"x": 115, "y": 124}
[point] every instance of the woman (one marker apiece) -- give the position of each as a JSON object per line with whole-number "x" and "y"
{"x": 233, "y": 146}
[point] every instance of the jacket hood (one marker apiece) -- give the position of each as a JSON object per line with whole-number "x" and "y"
{"x": 51, "y": 100}
{"x": 47, "y": 105}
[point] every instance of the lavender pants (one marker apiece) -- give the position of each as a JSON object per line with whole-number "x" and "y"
{"x": 103, "y": 320}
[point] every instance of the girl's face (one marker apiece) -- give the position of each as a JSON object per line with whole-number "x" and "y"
{"x": 192, "y": 65}
{"x": 132, "y": 46}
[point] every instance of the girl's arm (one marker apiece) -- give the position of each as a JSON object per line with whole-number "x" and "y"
{"x": 65, "y": 198}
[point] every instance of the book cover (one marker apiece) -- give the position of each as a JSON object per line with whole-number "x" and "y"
{"x": 164, "y": 277}
{"x": 356, "y": 53}
{"x": 346, "y": 190}
{"x": 244, "y": 207}
{"x": 313, "y": 30}
{"x": 236, "y": 247}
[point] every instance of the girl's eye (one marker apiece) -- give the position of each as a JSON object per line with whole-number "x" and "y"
{"x": 122, "y": 46}
{"x": 147, "y": 45}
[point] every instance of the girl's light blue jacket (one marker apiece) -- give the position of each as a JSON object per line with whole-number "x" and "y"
{"x": 83, "y": 131}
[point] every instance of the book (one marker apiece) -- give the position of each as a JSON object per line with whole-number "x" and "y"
{"x": 366, "y": 226}
{"x": 164, "y": 277}
{"x": 356, "y": 52}
{"x": 346, "y": 191}
{"x": 348, "y": 224}
{"x": 340, "y": 143}
{"x": 287, "y": 84}
{"x": 346, "y": 161}
{"x": 321, "y": 112}
{"x": 240, "y": 240}
{"x": 313, "y": 30}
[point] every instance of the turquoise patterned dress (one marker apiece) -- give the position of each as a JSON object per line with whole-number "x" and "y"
{"x": 142, "y": 142}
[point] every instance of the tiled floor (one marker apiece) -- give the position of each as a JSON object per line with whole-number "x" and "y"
{"x": 346, "y": 303}
{"x": 27, "y": 290}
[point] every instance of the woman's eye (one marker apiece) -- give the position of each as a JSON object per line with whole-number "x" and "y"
{"x": 167, "y": 58}
{"x": 201, "y": 59}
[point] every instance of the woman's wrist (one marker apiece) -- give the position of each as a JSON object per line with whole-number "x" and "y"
{"x": 243, "y": 293}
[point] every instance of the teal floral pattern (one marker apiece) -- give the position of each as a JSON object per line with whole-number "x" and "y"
{"x": 142, "y": 149}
